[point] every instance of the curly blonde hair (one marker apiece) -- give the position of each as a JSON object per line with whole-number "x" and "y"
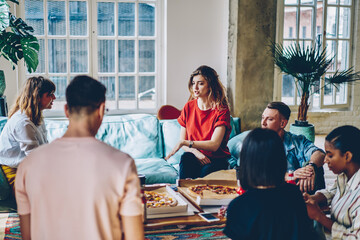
{"x": 217, "y": 95}
{"x": 29, "y": 99}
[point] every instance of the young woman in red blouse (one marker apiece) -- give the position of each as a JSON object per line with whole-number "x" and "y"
{"x": 205, "y": 126}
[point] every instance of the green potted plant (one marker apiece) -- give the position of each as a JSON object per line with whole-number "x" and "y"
{"x": 16, "y": 42}
{"x": 307, "y": 66}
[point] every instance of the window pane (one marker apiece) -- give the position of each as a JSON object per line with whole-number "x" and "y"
{"x": 288, "y": 90}
{"x": 306, "y": 16}
{"x": 147, "y": 92}
{"x": 291, "y": 1}
{"x": 345, "y": 2}
{"x": 34, "y": 15}
{"x": 319, "y": 22}
{"x": 288, "y": 43}
{"x": 127, "y": 92}
{"x": 331, "y": 51}
{"x": 344, "y": 23}
{"x": 316, "y": 96}
{"x": 332, "y": 1}
{"x": 78, "y": 18}
{"x": 331, "y": 21}
{"x": 305, "y": 44}
{"x": 290, "y": 26}
{"x": 146, "y": 19}
{"x": 79, "y": 56}
{"x": 328, "y": 93}
{"x": 106, "y": 18}
{"x": 146, "y": 56}
{"x": 106, "y": 55}
{"x": 126, "y": 19}
{"x": 126, "y": 55}
{"x": 341, "y": 93}
{"x": 57, "y": 55}
{"x": 343, "y": 55}
{"x": 307, "y": 2}
{"x": 61, "y": 84}
{"x": 41, "y": 66}
{"x": 56, "y": 18}
{"x": 109, "y": 83}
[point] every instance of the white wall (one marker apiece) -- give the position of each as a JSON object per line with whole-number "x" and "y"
{"x": 197, "y": 34}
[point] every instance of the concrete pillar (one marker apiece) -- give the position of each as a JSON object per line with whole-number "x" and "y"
{"x": 250, "y": 66}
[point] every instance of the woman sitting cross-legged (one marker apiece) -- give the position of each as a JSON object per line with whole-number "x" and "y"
{"x": 205, "y": 126}
{"x": 342, "y": 147}
{"x": 270, "y": 208}
{"x": 25, "y": 129}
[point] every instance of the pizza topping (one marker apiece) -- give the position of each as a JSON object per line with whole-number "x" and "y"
{"x": 217, "y": 189}
{"x": 155, "y": 200}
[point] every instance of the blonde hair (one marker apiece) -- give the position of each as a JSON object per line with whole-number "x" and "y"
{"x": 29, "y": 99}
{"x": 217, "y": 95}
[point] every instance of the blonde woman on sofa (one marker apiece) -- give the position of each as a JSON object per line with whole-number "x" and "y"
{"x": 205, "y": 126}
{"x": 24, "y": 129}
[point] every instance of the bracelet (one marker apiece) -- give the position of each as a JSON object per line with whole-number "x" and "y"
{"x": 191, "y": 144}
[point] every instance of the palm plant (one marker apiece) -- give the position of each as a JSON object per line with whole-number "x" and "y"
{"x": 307, "y": 66}
{"x": 18, "y": 43}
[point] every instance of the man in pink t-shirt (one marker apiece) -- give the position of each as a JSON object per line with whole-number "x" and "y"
{"x": 77, "y": 187}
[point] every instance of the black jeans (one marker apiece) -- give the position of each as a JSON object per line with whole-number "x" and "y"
{"x": 190, "y": 167}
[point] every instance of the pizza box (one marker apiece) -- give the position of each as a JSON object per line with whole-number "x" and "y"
{"x": 182, "y": 206}
{"x": 183, "y": 184}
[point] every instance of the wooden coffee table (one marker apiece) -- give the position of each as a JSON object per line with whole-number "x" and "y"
{"x": 194, "y": 220}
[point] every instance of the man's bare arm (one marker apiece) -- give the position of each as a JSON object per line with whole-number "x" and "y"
{"x": 133, "y": 227}
{"x": 25, "y": 227}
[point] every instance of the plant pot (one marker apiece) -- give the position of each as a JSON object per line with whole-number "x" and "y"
{"x": 3, "y": 106}
{"x": 308, "y": 130}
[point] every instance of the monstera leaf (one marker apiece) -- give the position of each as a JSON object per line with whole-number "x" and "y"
{"x": 19, "y": 43}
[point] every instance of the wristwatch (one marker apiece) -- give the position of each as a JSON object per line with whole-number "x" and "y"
{"x": 313, "y": 165}
{"x": 191, "y": 144}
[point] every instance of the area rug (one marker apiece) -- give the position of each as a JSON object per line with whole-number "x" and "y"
{"x": 201, "y": 233}
{"x": 10, "y": 230}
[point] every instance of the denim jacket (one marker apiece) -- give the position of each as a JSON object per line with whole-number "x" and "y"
{"x": 298, "y": 150}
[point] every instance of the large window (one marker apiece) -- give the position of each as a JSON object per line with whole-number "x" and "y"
{"x": 116, "y": 42}
{"x": 318, "y": 22}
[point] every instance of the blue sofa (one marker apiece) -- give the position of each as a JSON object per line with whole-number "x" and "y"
{"x": 144, "y": 137}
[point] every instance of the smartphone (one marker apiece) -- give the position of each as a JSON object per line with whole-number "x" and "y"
{"x": 209, "y": 217}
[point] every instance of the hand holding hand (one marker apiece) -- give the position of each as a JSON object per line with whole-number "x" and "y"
{"x": 307, "y": 184}
{"x": 304, "y": 172}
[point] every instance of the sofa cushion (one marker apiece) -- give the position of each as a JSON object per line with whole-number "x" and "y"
{"x": 135, "y": 134}
{"x": 156, "y": 170}
{"x": 171, "y": 135}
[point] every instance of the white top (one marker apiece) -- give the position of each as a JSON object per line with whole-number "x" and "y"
{"x": 18, "y": 138}
{"x": 77, "y": 188}
{"x": 344, "y": 197}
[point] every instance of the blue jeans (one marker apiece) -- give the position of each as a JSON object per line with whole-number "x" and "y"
{"x": 190, "y": 166}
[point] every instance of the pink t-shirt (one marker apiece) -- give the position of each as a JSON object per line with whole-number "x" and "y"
{"x": 77, "y": 188}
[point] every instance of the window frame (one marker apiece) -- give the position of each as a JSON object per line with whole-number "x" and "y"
{"x": 280, "y": 38}
{"x": 160, "y": 68}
